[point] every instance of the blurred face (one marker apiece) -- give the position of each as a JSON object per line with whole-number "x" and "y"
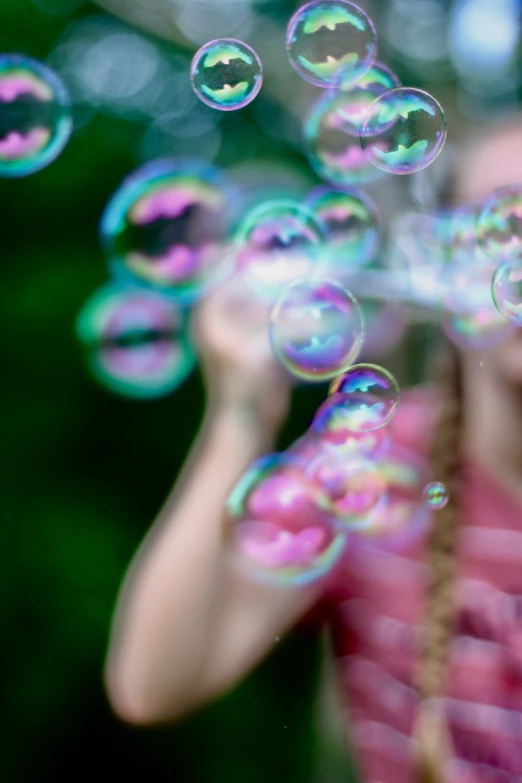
{"x": 494, "y": 163}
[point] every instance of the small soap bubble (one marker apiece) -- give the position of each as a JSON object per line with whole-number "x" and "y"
{"x": 281, "y": 523}
{"x": 226, "y": 74}
{"x": 506, "y": 289}
{"x": 278, "y": 242}
{"x": 329, "y": 38}
{"x": 352, "y": 222}
{"x": 359, "y": 97}
{"x": 316, "y": 329}
{"x": 435, "y": 495}
{"x": 404, "y": 131}
{"x": 356, "y": 488}
{"x": 166, "y": 228}
{"x": 35, "y": 116}
{"x": 136, "y": 342}
{"x": 499, "y": 225}
{"x": 334, "y": 147}
{"x": 371, "y": 396}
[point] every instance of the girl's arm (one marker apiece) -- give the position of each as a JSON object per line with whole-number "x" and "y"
{"x": 188, "y": 623}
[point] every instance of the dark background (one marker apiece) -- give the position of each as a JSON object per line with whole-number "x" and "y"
{"x": 84, "y": 472}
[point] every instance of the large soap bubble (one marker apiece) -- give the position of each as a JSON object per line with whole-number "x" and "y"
{"x": 404, "y": 131}
{"x": 327, "y": 38}
{"x": 35, "y": 116}
{"x": 136, "y": 341}
{"x": 281, "y": 523}
{"x": 316, "y": 329}
{"x": 226, "y": 74}
{"x": 166, "y": 228}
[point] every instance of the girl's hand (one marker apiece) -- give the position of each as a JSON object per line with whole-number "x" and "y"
{"x": 242, "y": 377}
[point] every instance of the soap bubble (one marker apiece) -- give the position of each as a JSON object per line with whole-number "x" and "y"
{"x": 404, "y": 131}
{"x": 166, "y": 225}
{"x": 371, "y": 396}
{"x": 352, "y": 221}
{"x": 281, "y": 523}
{"x": 332, "y": 426}
{"x": 356, "y": 488}
{"x": 327, "y": 38}
{"x": 500, "y": 223}
{"x": 359, "y": 97}
{"x": 472, "y": 320}
{"x": 35, "y": 116}
{"x": 226, "y": 74}
{"x": 136, "y": 341}
{"x": 277, "y": 243}
{"x": 334, "y": 147}
{"x": 435, "y": 495}
{"x": 404, "y": 518}
{"x": 316, "y": 329}
{"x": 506, "y": 289}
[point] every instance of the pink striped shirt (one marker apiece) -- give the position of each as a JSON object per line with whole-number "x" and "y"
{"x": 376, "y": 609}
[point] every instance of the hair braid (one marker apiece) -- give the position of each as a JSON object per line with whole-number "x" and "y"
{"x": 445, "y": 457}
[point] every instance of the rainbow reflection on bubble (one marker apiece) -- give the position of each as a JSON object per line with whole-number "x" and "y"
{"x": 35, "y": 116}
{"x": 370, "y": 396}
{"x": 352, "y": 222}
{"x": 334, "y": 148}
{"x": 473, "y": 321}
{"x": 435, "y": 495}
{"x": 404, "y": 131}
{"x": 499, "y": 224}
{"x": 278, "y": 242}
{"x": 316, "y": 329}
{"x": 166, "y": 228}
{"x": 332, "y": 427}
{"x": 281, "y": 527}
{"x": 506, "y": 290}
{"x": 355, "y": 486}
{"x": 404, "y": 517}
{"x": 359, "y": 97}
{"x": 329, "y": 38}
{"x": 226, "y": 74}
{"x": 136, "y": 342}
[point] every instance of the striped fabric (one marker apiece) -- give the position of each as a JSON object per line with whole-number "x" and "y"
{"x": 376, "y": 608}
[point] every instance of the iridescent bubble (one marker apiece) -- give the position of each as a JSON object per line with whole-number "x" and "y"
{"x": 35, "y": 116}
{"x": 472, "y": 321}
{"x": 316, "y": 329}
{"x": 506, "y": 289}
{"x": 326, "y": 38}
{"x": 355, "y": 486}
{"x": 500, "y": 223}
{"x": 352, "y": 222}
{"x": 359, "y": 97}
{"x": 226, "y": 74}
{"x": 332, "y": 427}
{"x": 136, "y": 341}
{"x": 166, "y": 227}
{"x": 404, "y": 131}
{"x": 281, "y": 527}
{"x": 435, "y": 495}
{"x": 371, "y": 396}
{"x": 277, "y": 243}
{"x": 334, "y": 147}
{"x": 404, "y": 518}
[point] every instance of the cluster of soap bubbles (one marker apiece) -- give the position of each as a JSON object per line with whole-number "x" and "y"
{"x": 367, "y": 122}
{"x": 468, "y": 263}
{"x": 344, "y": 483}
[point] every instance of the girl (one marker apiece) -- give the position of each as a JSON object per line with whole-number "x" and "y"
{"x": 429, "y": 641}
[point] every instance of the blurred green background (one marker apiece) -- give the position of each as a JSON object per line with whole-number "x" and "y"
{"x": 85, "y": 471}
